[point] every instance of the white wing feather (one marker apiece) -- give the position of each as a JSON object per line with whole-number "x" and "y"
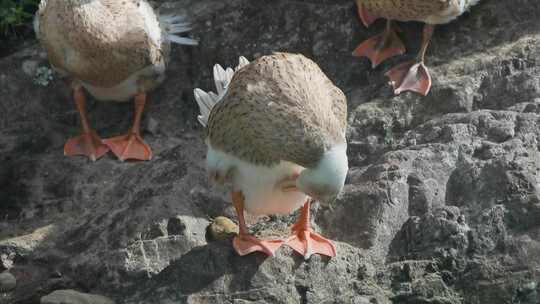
{"x": 172, "y": 25}
{"x": 222, "y": 79}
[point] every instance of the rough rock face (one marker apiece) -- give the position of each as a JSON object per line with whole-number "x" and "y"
{"x": 73, "y": 297}
{"x": 442, "y": 203}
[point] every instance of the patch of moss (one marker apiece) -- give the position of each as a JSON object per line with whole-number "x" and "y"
{"x": 16, "y": 13}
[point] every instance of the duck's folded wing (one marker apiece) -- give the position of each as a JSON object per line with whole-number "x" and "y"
{"x": 428, "y": 7}
{"x": 405, "y": 10}
{"x": 280, "y": 107}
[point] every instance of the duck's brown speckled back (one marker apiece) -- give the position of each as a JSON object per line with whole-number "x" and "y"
{"x": 101, "y": 42}
{"x": 279, "y": 107}
{"x": 429, "y": 11}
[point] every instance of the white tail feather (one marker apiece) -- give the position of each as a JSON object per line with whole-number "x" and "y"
{"x": 41, "y": 9}
{"x": 242, "y": 62}
{"x": 172, "y": 24}
{"x": 182, "y": 40}
{"x": 222, "y": 79}
{"x": 180, "y": 28}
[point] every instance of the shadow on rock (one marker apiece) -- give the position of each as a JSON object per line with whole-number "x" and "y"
{"x": 205, "y": 268}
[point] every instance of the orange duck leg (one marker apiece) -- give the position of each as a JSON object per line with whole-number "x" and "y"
{"x": 88, "y": 143}
{"x": 246, "y": 243}
{"x": 131, "y": 145}
{"x": 413, "y": 75}
{"x": 366, "y": 17}
{"x": 305, "y": 241}
{"x": 381, "y": 47}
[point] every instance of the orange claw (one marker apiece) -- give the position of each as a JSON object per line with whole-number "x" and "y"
{"x": 245, "y": 243}
{"x": 410, "y": 76}
{"x": 89, "y": 143}
{"x": 132, "y": 146}
{"x": 381, "y": 47}
{"x": 377, "y": 50}
{"x": 413, "y": 75}
{"x": 305, "y": 241}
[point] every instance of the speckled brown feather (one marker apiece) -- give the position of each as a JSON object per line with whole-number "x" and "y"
{"x": 101, "y": 46}
{"x": 279, "y": 107}
{"x": 406, "y": 10}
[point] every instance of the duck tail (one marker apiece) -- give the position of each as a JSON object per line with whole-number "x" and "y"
{"x": 222, "y": 79}
{"x": 40, "y": 10}
{"x": 173, "y": 25}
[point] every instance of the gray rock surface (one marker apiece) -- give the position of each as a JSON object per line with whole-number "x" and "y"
{"x": 442, "y": 202}
{"x": 8, "y": 282}
{"x": 74, "y": 297}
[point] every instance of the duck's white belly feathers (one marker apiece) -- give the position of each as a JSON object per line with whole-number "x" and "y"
{"x": 258, "y": 183}
{"x": 130, "y": 87}
{"x": 456, "y": 9}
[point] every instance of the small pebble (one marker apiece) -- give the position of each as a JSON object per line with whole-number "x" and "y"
{"x": 7, "y": 282}
{"x": 221, "y": 228}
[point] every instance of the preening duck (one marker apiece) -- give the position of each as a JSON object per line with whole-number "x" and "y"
{"x": 412, "y": 75}
{"x": 116, "y": 50}
{"x": 275, "y": 131}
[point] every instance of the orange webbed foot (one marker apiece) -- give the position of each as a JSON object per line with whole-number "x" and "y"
{"x": 245, "y": 244}
{"x": 130, "y": 146}
{"x": 87, "y": 144}
{"x": 410, "y": 76}
{"x": 381, "y": 47}
{"x": 306, "y": 242}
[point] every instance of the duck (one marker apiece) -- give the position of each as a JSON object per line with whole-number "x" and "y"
{"x": 114, "y": 50}
{"x": 411, "y": 75}
{"x": 275, "y": 132}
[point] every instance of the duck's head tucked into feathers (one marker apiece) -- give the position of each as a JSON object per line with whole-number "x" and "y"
{"x": 324, "y": 182}
{"x": 276, "y": 130}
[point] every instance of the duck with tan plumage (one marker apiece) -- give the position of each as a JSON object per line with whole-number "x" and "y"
{"x": 275, "y": 132}
{"x": 411, "y": 75}
{"x": 116, "y": 50}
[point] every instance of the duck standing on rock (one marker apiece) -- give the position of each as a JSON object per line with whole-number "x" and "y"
{"x": 275, "y": 131}
{"x": 412, "y": 75}
{"x": 116, "y": 50}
